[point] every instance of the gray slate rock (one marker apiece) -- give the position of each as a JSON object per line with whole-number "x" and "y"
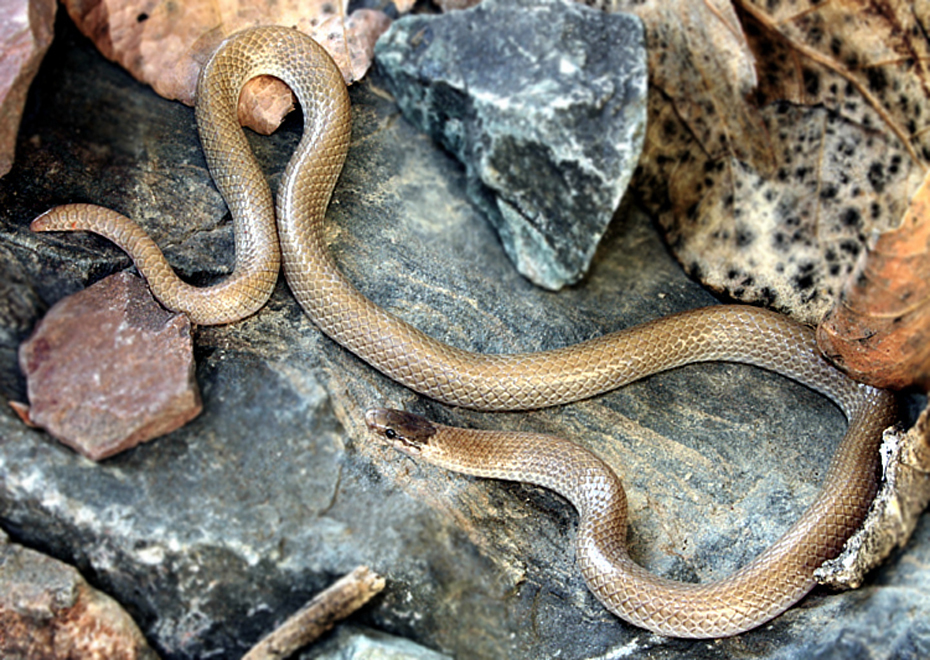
{"x": 219, "y": 531}
{"x": 544, "y": 101}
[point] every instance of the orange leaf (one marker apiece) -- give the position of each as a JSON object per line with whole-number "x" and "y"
{"x": 879, "y": 332}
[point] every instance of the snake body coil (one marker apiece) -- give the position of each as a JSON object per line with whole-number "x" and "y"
{"x": 773, "y": 582}
{"x": 764, "y": 588}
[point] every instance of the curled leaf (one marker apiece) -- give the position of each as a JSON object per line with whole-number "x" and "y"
{"x": 880, "y": 330}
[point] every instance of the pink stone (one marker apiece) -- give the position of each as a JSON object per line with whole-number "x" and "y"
{"x": 48, "y": 611}
{"x": 109, "y": 368}
{"x": 26, "y": 29}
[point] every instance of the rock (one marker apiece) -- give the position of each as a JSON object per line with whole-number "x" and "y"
{"x": 109, "y": 368}
{"x": 25, "y": 35}
{"x": 214, "y": 534}
{"x": 358, "y": 643}
{"x": 452, "y": 5}
{"x": 48, "y": 611}
{"x": 544, "y": 103}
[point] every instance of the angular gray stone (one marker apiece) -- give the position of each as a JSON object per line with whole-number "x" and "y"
{"x": 358, "y": 643}
{"x": 108, "y": 368}
{"x": 212, "y": 535}
{"x": 544, "y": 101}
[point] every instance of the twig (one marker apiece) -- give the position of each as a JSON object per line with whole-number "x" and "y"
{"x": 319, "y": 615}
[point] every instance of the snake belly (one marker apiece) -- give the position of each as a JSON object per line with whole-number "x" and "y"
{"x": 490, "y": 382}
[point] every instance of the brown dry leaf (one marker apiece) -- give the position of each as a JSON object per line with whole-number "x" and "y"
{"x": 768, "y": 185}
{"x": 165, "y": 44}
{"x": 865, "y": 59}
{"x": 880, "y": 330}
{"x": 404, "y": 6}
{"x": 699, "y": 57}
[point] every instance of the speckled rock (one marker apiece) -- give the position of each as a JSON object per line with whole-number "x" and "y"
{"x": 49, "y": 612}
{"x": 215, "y": 532}
{"x": 108, "y": 368}
{"x": 545, "y": 104}
{"x": 358, "y": 643}
{"x": 25, "y": 34}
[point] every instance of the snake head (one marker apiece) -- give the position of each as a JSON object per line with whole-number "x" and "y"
{"x": 405, "y": 432}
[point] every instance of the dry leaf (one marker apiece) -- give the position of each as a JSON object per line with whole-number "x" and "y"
{"x": 880, "y": 331}
{"x": 895, "y": 512}
{"x": 362, "y": 29}
{"x": 165, "y": 44}
{"x": 769, "y": 184}
{"x": 404, "y": 6}
{"x": 699, "y": 57}
{"x": 791, "y": 240}
{"x": 865, "y": 59}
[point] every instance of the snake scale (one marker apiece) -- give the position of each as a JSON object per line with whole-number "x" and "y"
{"x": 771, "y": 583}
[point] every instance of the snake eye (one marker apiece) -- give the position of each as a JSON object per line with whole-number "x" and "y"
{"x": 390, "y": 434}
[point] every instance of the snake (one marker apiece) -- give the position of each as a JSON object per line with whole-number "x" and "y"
{"x": 289, "y": 231}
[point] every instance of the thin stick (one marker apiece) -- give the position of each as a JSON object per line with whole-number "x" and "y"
{"x": 336, "y": 602}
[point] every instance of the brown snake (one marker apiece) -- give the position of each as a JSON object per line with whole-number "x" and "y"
{"x": 773, "y": 582}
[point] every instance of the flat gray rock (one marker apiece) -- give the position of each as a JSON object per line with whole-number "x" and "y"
{"x": 210, "y": 535}
{"x": 544, "y": 101}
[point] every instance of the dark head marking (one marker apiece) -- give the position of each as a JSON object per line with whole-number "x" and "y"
{"x": 402, "y": 430}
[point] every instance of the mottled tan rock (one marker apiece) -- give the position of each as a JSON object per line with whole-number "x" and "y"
{"x": 48, "y": 611}
{"x": 26, "y": 28}
{"x": 109, "y": 368}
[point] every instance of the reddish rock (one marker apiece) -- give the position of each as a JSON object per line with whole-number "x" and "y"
{"x": 48, "y": 611}
{"x": 26, "y": 29}
{"x": 109, "y": 368}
